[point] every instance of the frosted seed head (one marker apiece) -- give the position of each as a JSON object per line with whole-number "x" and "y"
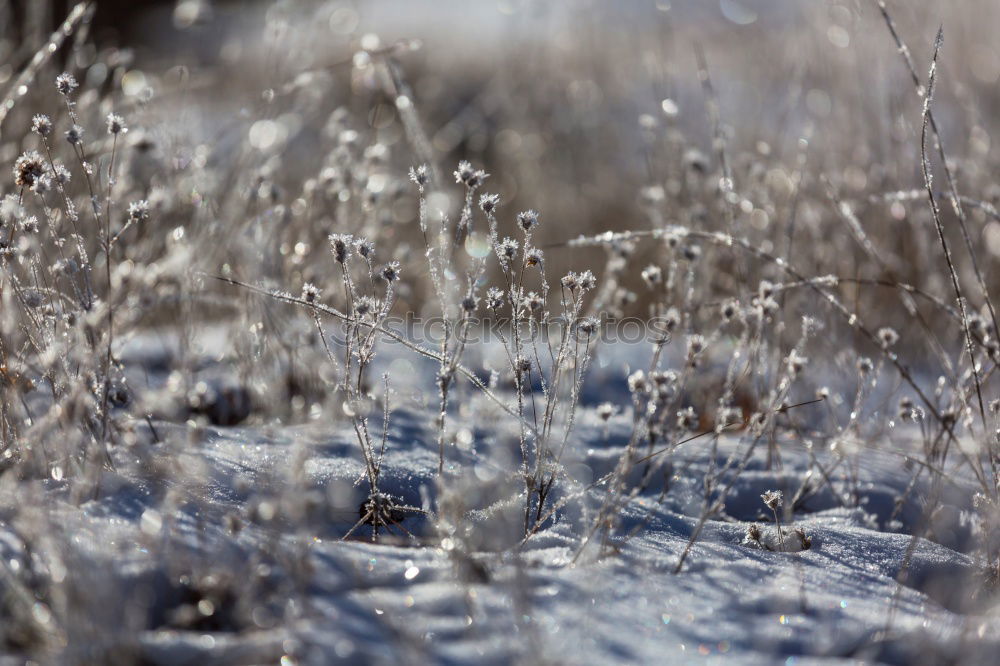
{"x": 66, "y": 83}
{"x": 772, "y": 499}
{"x": 489, "y": 203}
{"x": 340, "y": 245}
{"x": 138, "y": 211}
{"x": 887, "y": 337}
{"x": 41, "y": 125}
{"x": 652, "y": 275}
{"x": 527, "y": 220}
{"x": 28, "y": 168}
{"x": 116, "y": 124}
{"x": 310, "y": 292}
{"x": 420, "y": 175}
{"x": 390, "y": 272}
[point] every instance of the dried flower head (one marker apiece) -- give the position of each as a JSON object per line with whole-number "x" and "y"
{"x": 340, "y": 245}
{"x": 74, "y": 135}
{"x": 66, "y": 83}
{"x": 507, "y": 249}
{"x": 489, "y": 203}
{"x": 887, "y": 337}
{"x": 365, "y": 248}
{"x": 41, "y": 125}
{"x": 420, "y": 175}
{"x": 310, "y": 292}
{"x": 61, "y": 174}
{"x": 729, "y": 310}
{"x": 138, "y": 211}
{"x": 795, "y": 362}
{"x": 494, "y": 298}
{"x": 364, "y": 306}
{"x": 28, "y": 168}
{"x": 390, "y": 272}
{"x": 470, "y": 303}
{"x": 606, "y": 410}
{"x": 695, "y": 345}
{"x": 534, "y": 257}
{"x": 652, "y": 275}
{"x": 687, "y": 419}
{"x": 587, "y": 326}
{"x": 116, "y": 124}
{"x": 527, "y": 220}
{"x": 468, "y": 176}
{"x": 772, "y": 499}
{"x": 637, "y": 383}
{"x": 533, "y": 302}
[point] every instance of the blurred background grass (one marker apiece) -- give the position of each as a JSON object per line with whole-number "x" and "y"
{"x": 590, "y": 112}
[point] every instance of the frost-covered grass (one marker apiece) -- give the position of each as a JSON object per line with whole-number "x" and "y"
{"x": 307, "y": 383}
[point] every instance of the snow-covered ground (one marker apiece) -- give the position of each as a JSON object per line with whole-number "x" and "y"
{"x": 224, "y": 545}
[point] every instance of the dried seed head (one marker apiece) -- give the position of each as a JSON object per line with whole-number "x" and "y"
{"x": 664, "y": 378}
{"x": 637, "y": 383}
{"x": 390, "y": 272}
{"x": 74, "y": 135}
{"x": 753, "y": 533}
{"x": 507, "y": 248}
{"x": 772, "y": 499}
{"x": 420, "y": 175}
{"x": 728, "y": 416}
{"x": 489, "y": 203}
{"x": 865, "y": 365}
{"x": 28, "y": 168}
{"x": 340, "y": 245}
{"x": 41, "y": 125}
{"x": 729, "y": 310}
{"x": 66, "y": 83}
{"x": 533, "y": 302}
{"x": 364, "y": 306}
{"x": 116, "y": 124}
{"x": 795, "y": 362}
{"x": 468, "y": 176}
{"x": 138, "y": 211}
{"x": 365, "y": 248}
{"x": 652, "y": 275}
{"x": 310, "y": 292}
{"x": 61, "y": 174}
{"x": 470, "y": 303}
{"x": 671, "y": 320}
{"x": 522, "y": 365}
{"x": 588, "y": 326}
{"x": 687, "y": 419}
{"x": 606, "y": 410}
{"x": 695, "y": 345}
{"x": 534, "y": 257}
{"x": 527, "y": 220}
{"x": 494, "y": 298}
{"x": 887, "y": 337}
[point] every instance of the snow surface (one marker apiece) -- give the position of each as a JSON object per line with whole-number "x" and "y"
{"x": 262, "y": 509}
